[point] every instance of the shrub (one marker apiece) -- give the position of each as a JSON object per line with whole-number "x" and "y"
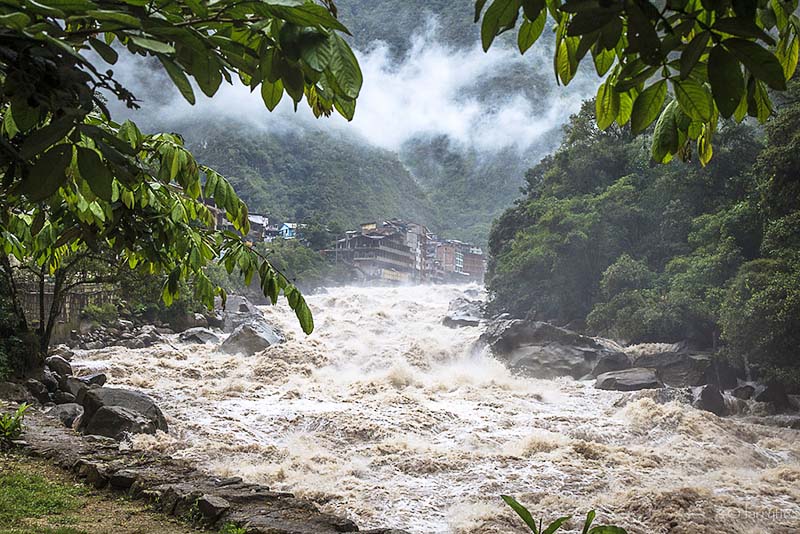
{"x": 104, "y": 313}
{"x": 11, "y": 425}
{"x": 556, "y": 525}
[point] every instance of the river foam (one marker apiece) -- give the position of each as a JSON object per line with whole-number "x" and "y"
{"x": 388, "y": 417}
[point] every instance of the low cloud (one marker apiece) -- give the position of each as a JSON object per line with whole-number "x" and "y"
{"x": 433, "y": 90}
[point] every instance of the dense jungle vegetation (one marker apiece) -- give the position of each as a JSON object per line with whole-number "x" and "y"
{"x": 643, "y": 252}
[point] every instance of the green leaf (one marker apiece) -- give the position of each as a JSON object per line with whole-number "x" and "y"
{"x": 48, "y": 173}
{"x": 179, "y": 78}
{"x": 694, "y": 99}
{"x": 606, "y": 105}
{"x": 530, "y": 31}
{"x": 522, "y": 512}
{"x": 589, "y": 520}
{"x": 308, "y": 14}
{"x": 271, "y": 93}
{"x": 607, "y": 529}
{"x": 478, "y": 8}
{"x": 590, "y": 21}
{"x": 344, "y": 66}
{"x": 603, "y": 59}
{"x": 665, "y": 135}
{"x": 500, "y": 15}
{"x": 758, "y": 102}
{"x": 625, "y": 108}
{"x": 787, "y": 54}
{"x": 743, "y": 27}
{"x": 303, "y": 314}
{"x": 43, "y": 138}
{"x": 760, "y": 62}
{"x": 206, "y": 70}
{"x": 727, "y": 82}
{"x": 555, "y": 525}
{"x": 115, "y": 16}
{"x": 153, "y": 45}
{"x": 692, "y": 53}
{"x": 96, "y": 174}
{"x": 15, "y": 20}
{"x": 647, "y": 106}
{"x": 108, "y": 54}
{"x": 642, "y": 36}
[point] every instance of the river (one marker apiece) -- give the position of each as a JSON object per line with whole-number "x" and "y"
{"x": 387, "y": 416}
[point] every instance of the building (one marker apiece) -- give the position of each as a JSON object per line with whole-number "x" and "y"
{"x": 380, "y": 254}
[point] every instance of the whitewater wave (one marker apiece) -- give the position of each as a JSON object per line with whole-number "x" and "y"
{"x": 388, "y": 417}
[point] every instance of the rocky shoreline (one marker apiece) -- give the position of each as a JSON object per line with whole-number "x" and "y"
{"x": 175, "y": 487}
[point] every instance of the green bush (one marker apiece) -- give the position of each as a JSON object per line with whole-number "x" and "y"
{"x": 556, "y": 525}
{"x": 11, "y": 425}
{"x": 104, "y": 313}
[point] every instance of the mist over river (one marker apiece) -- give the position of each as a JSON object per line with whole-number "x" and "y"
{"x": 389, "y": 417}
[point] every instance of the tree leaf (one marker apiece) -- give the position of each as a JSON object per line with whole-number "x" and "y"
{"x": 179, "y": 78}
{"x": 152, "y": 45}
{"x": 48, "y": 173}
{"x": 665, "y": 135}
{"x": 607, "y": 529}
{"x": 555, "y": 525}
{"x": 743, "y": 27}
{"x": 344, "y": 67}
{"x": 530, "y": 31}
{"x": 108, "y": 54}
{"x": 588, "y": 523}
{"x": 43, "y": 138}
{"x": 694, "y": 99}
{"x": 522, "y": 512}
{"x": 606, "y": 105}
{"x": 692, "y": 53}
{"x": 206, "y": 70}
{"x": 500, "y": 15}
{"x": 603, "y": 59}
{"x": 642, "y": 35}
{"x": 647, "y": 106}
{"x": 271, "y": 93}
{"x": 96, "y": 174}
{"x": 760, "y": 62}
{"x": 726, "y": 80}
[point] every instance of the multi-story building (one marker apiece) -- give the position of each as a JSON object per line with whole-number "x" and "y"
{"x": 379, "y": 253}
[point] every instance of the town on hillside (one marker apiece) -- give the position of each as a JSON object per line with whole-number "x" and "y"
{"x": 391, "y": 251}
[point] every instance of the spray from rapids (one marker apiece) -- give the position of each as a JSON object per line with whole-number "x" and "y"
{"x": 385, "y": 415}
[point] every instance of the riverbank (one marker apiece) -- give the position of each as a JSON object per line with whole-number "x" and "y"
{"x": 36, "y": 496}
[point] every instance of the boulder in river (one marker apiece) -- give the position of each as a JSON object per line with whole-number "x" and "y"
{"x": 132, "y": 401}
{"x": 744, "y": 391}
{"x": 677, "y": 369}
{"x": 775, "y": 394}
{"x": 249, "y": 339}
{"x": 542, "y": 349}
{"x": 710, "y": 399}
{"x": 629, "y": 380}
{"x": 463, "y": 312}
{"x": 199, "y": 336}
{"x": 612, "y": 361}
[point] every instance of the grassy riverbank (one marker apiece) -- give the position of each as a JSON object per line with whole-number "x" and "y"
{"x": 38, "y": 498}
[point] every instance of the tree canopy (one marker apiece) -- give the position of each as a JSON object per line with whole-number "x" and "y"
{"x": 718, "y": 58}
{"x": 75, "y": 180}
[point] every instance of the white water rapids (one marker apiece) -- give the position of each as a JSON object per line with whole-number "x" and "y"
{"x": 386, "y": 416}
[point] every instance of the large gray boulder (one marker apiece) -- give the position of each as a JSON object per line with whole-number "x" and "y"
{"x": 199, "y": 336}
{"x": 132, "y": 401}
{"x": 612, "y": 361}
{"x": 710, "y": 399}
{"x": 14, "y": 392}
{"x": 66, "y": 413}
{"x": 238, "y": 311}
{"x": 59, "y": 365}
{"x": 249, "y": 339}
{"x": 629, "y": 380}
{"x": 117, "y": 422}
{"x": 677, "y": 369}
{"x": 463, "y": 312}
{"x": 543, "y": 350}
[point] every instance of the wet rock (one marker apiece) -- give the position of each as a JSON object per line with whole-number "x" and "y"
{"x": 50, "y": 380}
{"x": 124, "y": 324}
{"x": 199, "y": 336}
{"x": 463, "y": 312}
{"x": 15, "y": 392}
{"x": 96, "y": 379}
{"x": 122, "y": 479}
{"x": 775, "y": 394}
{"x": 72, "y": 385}
{"x": 744, "y": 391}
{"x": 59, "y": 365}
{"x": 212, "y": 507}
{"x": 37, "y": 390}
{"x": 629, "y": 380}
{"x": 710, "y": 399}
{"x": 117, "y": 422}
{"x": 62, "y": 351}
{"x": 250, "y": 339}
{"x": 677, "y": 369}
{"x": 135, "y": 402}
{"x": 613, "y": 361}
{"x": 238, "y": 311}
{"x": 66, "y": 413}
{"x": 133, "y": 343}
{"x": 541, "y": 349}
{"x": 63, "y": 397}
{"x": 94, "y": 345}
{"x": 722, "y": 374}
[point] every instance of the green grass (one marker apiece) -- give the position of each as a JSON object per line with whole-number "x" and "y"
{"x": 24, "y": 495}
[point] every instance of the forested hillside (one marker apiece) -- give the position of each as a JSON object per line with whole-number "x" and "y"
{"x": 310, "y": 175}
{"x": 646, "y": 252}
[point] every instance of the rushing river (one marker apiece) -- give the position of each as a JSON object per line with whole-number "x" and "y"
{"x": 390, "y": 418}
